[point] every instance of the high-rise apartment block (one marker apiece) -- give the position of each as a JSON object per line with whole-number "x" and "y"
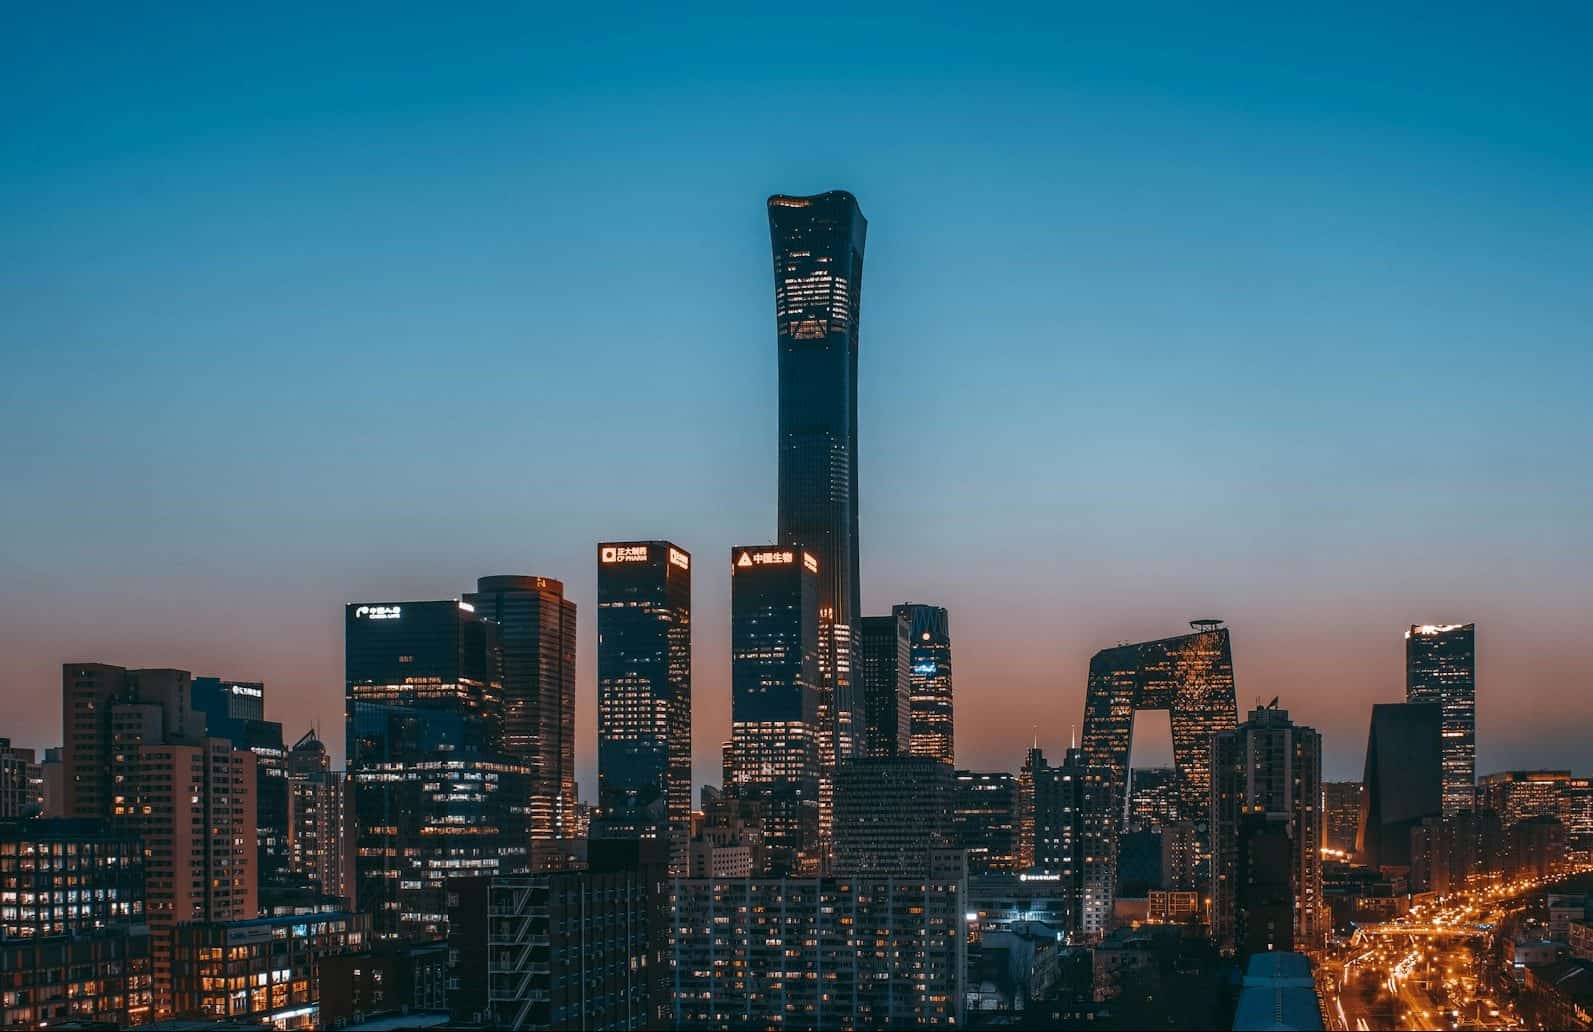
{"x": 858, "y": 952}
{"x": 1266, "y": 797}
{"x": 136, "y": 753}
{"x": 1441, "y": 668}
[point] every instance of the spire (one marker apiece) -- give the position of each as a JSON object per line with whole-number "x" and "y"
{"x": 1073, "y": 736}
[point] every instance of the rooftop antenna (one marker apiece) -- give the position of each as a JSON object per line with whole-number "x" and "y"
{"x": 1037, "y": 736}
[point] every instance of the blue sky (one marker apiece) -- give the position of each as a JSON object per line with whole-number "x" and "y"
{"x": 1280, "y": 317}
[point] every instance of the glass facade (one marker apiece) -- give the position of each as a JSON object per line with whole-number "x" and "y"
{"x": 536, "y": 628}
{"x": 1441, "y": 667}
{"x": 883, "y": 668}
{"x": 774, "y": 702}
{"x": 818, "y": 247}
{"x": 435, "y": 795}
{"x": 931, "y": 730}
{"x": 644, "y": 692}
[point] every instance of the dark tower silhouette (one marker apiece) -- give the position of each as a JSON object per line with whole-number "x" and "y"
{"x": 818, "y": 287}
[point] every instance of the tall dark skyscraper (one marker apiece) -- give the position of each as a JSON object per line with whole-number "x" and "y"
{"x": 536, "y": 628}
{"x": 774, "y": 704}
{"x": 933, "y": 732}
{"x": 1403, "y": 784}
{"x": 818, "y": 289}
{"x": 1441, "y": 667}
{"x": 644, "y": 692}
{"x": 1074, "y": 836}
{"x": 883, "y": 671}
{"x": 435, "y": 795}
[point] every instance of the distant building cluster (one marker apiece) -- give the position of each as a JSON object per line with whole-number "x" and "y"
{"x": 175, "y": 859}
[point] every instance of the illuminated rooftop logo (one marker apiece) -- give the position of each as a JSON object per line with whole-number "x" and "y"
{"x": 378, "y": 613}
{"x": 623, "y": 554}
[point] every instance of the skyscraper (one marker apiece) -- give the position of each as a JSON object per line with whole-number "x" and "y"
{"x": 536, "y": 632}
{"x": 434, "y": 794}
{"x": 321, "y": 828}
{"x": 818, "y": 247}
{"x": 987, "y": 820}
{"x": 929, "y": 682}
{"x": 1403, "y": 783}
{"x": 1192, "y": 677}
{"x": 1441, "y": 667}
{"x": 1267, "y": 783}
{"x": 774, "y": 706}
{"x": 644, "y": 692}
{"x": 883, "y": 672}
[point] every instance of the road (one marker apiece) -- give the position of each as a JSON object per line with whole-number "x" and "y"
{"x": 1425, "y": 970}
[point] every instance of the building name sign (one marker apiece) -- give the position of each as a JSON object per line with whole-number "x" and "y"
{"x": 250, "y": 690}
{"x": 623, "y": 554}
{"x": 680, "y": 559}
{"x": 378, "y": 612}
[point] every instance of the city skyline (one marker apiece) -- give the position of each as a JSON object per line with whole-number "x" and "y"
{"x": 1319, "y": 511}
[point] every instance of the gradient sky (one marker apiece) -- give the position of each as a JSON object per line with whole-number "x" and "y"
{"x": 1271, "y": 316}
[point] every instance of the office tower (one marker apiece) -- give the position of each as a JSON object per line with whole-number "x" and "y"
{"x": 929, "y": 682}
{"x": 1441, "y": 668}
{"x": 95, "y": 979}
{"x": 819, "y": 952}
{"x": 818, "y": 247}
{"x": 1516, "y": 795}
{"x": 1190, "y": 676}
{"x": 64, "y": 876}
{"x": 1403, "y": 783}
{"x": 321, "y": 828}
{"x": 537, "y": 639}
{"x": 883, "y": 671}
{"x": 1075, "y": 836}
{"x": 890, "y": 814}
{"x": 235, "y": 710}
{"x": 264, "y": 971}
{"x": 21, "y": 782}
{"x": 1266, "y": 787}
{"x": 1341, "y": 814}
{"x": 1153, "y": 800}
{"x": 987, "y": 820}
{"x": 435, "y": 796}
{"x": 644, "y": 692}
{"x": 774, "y": 715}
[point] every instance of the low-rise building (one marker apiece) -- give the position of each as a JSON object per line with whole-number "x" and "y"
{"x": 103, "y": 976}
{"x": 261, "y": 970}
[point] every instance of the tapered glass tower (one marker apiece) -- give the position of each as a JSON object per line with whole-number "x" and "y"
{"x": 818, "y": 288}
